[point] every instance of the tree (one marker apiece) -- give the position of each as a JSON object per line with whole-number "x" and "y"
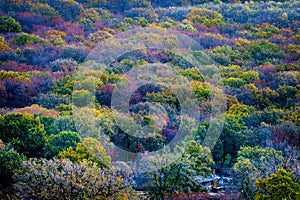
{"x": 9, "y": 24}
{"x": 64, "y": 86}
{"x": 24, "y": 132}
{"x": 55, "y": 37}
{"x": 192, "y": 74}
{"x": 200, "y": 156}
{"x": 181, "y": 174}
{"x": 49, "y": 124}
{"x": 259, "y": 52}
{"x": 69, "y": 10}
{"x": 82, "y": 98}
{"x": 25, "y": 38}
{"x": 99, "y": 36}
{"x": 65, "y": 123}
{"x": 249, "y": 76}
{"x": 231, "y": 139}
{"x": 60, "y": 142}
{"x": 121, "y": 5}
{"x": 50, "y": 100}
{"x": 93, "y": 3}
{"x": 62, "y": 179}
{"x": 149, "y": 14}
{"x": 286, "y": 95}
{"x": 89, "y": 149}
{"x": 225, "y": 55}
{"x": 44, "y": 9}
{"x": 206, "y": 17}
{"x": 202, "y": 90}
{"x": 234, "y": 82}
{"x": 280, "y": 185}
{"x": 18, "y": 88}
{"x": 4, "y": 47}
{"x": 254, "y": 163}
{"x": 10, "y": 161}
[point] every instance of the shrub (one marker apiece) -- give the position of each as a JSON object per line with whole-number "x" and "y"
{"x": 69, "y": 10}
{"x": 67, "y": 64}
{"x": 10, "y": 161}
{"x": 206, "y": 17}
{"x": 4, "y": 47}
{"x": 44, "y": 9}
{"x": 60, "y": 142}
{"x": 9, "y": 24}
{"x": 234, "y": 82}
{"x": 50, "y": 100}
{"x": 25, "y": 133}
{"x": 25, "y": 38}
{"x": 99, "y": 36}
{"x": 281, "y": 185}
{"x": 148, "y": 14}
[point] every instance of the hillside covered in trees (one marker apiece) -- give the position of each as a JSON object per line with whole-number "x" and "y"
{"x": 92, "y": 90}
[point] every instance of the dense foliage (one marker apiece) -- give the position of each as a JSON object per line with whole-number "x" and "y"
{"x": 45, "y": 154}
{"x": 280, "y": 185}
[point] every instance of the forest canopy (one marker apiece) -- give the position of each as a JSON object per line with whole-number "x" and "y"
{"x": 222, "y": 94}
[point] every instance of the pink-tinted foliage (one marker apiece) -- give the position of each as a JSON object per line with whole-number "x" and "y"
{"x": 104, "y": 94}
{"x": 40, "y": 29}
{"x": 27, "y": 20}
{"x": 13, "y": 93}
{"x": 286, "y": 133}
{"x": 36, "y": 109}
{"x": 77, "y": 53}
{"x": 40, "y": 55}
{"x": 17, "y": 67}
{"x": 99, "y": 25}
{"x": 157, "y": 56}
{"x": 68, "y": 27}
{"x": 41, "y": 83}
{"x": 200, "y": 27}
{"x": 169, "y": 134}
{"x": 214, "y": 30}
{"x": 60, "y": 74}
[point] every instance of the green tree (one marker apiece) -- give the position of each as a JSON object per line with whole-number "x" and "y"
{"x": 280, "y": 185}
{"x": 10, "y": 161}
{"x": 89, "y": 149}
{"x": 181, "y": 174}
{"x": 249, "y": 76}
{"x": 64, "y": 86}
{"x": 25, "y": 38}
{"x": 286, "y": 96}
{"x": 82, "y": 98}
{"x": 200, "y": 156}
{"x": 61, "y": 141}
{"x": 232, "y": 137}
{"x": 49, "y": 125}
{"x": 192, "y": 74}
{"x": 259, "y": 52}
{"x": 203, "y": 90}
{"x": 234, "y": 82}
{"x": 44, "y": 9}
{"x": 225, "y": 55}
{"x": 24, "y": 132}
{"x": 65, "y": 123}
{"x": 254, "y": 163}
{"x": 9, "y": 24}
{"x": 206, "y": 17}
